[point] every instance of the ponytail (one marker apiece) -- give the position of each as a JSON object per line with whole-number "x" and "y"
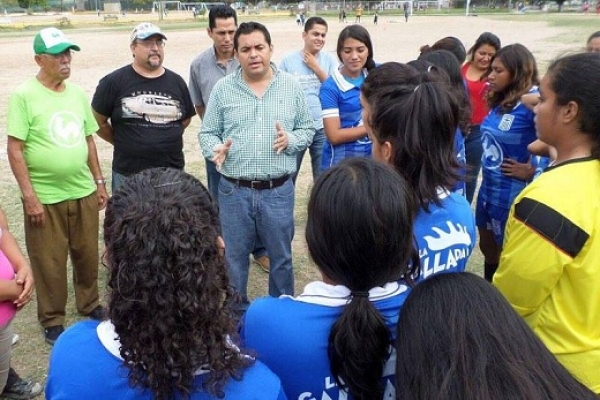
{"x": 363, "y": 245}
{"x": 359, "y": 343}
{"x": 420, "y": 122}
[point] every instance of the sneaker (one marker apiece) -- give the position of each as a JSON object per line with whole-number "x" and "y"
{"x": 263, "y": 262}
{"x": 15, "y": 339}
{"x": 98, "y": 313}
{"x": 18, "y": 388}
{"x": 52, "y": 333}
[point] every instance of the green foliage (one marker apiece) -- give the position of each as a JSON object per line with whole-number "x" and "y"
{"x": 9, "y": 3}
{"x": 28, "y": 4}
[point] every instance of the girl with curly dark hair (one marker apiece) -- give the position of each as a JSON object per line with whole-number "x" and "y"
{"x": 170, "y": 329}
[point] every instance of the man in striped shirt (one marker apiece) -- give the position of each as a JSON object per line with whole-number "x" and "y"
{"x": 256, "y": 121}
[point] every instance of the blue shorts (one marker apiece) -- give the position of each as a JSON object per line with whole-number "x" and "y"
{"x": 492, "y": 218}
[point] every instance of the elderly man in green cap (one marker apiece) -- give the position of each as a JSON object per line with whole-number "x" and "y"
{"x": 53, "y": 157}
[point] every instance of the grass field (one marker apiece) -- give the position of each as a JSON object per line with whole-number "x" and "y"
{"x": 105, "y": 48}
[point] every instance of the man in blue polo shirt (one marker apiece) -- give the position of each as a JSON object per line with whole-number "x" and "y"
{"x": 311, "y": 66}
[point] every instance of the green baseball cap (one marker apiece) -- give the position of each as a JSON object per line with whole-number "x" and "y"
{"x": 52, "y": 41}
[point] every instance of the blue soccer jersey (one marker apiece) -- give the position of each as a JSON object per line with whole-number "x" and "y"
{"x": 341, "y": 98}
{"x": 539, "y": 163}
{"x": 446, "y": 235}
{"x": 461, "y": 156}
{"x": 290, "y": 335}
{"x": 85, "y": 364}
{"x": 505, "y": 135}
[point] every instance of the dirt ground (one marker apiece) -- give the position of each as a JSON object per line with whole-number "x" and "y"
{"x": 393, "y": 40}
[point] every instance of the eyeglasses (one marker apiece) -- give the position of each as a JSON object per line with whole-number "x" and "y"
{"x": 151, "y": 43}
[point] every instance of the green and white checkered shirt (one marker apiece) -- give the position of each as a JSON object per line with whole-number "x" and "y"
{"x": 235, "y": 112}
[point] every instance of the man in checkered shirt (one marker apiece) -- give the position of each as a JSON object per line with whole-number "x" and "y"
{"x": 256, "y": 121}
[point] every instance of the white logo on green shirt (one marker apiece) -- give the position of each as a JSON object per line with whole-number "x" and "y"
{"x": 66, "y": 129}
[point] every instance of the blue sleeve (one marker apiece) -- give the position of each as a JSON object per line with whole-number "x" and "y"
{"x": 329, "y": 96}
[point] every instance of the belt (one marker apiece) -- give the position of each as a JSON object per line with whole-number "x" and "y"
{"x": 259, "y": 185}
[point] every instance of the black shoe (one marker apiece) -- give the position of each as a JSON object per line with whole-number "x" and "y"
{"x": 98, "y": 313}
{"x": 17, "y": 388}
{"x": 52, "y": 333}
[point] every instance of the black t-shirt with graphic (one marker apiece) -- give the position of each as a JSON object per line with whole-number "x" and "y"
{"x": 146, "y": 116}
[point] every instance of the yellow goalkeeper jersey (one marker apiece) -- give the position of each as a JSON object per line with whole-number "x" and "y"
{"x": 550, "y": 264}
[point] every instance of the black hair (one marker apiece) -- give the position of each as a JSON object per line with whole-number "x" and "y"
{"x": 448, "y": 62}
{"x": 458, "y": 338}
{"x": 450, "y": 43}
{"x": 247, "y": 28}
{"x": 169, "y": 297}
{"x": 486, "y": 38}
{"x": 220, "y": 12}
{"x": 356, "y": 32}
{"x": 312, "y": 21}
{"x": 362, "y": 245}
{"x": 593, "y": 36}
{"x": 418, "y": 115}
{"x": 577, "y": 78}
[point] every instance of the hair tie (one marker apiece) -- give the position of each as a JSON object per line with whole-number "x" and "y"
{"x": 359, "y": 294}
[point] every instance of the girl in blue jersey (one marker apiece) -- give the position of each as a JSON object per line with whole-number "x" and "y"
{"x": 473, "y": 71}
{"x": 412, "y": 119}
{"x": 170, "y": 333}
{"x": 333, "y": 341}
{"x": 505, "y": 134}
{"x": 346, "y": 135}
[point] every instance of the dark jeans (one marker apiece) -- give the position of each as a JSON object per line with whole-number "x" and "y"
{"x": 473, "y": 151}
{"x": 213, "y": 177}
{"x": 316, "y": 154}
{"x": 248, "y": 215}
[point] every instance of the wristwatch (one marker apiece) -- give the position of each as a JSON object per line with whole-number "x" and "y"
{"x": 100, "y": 181}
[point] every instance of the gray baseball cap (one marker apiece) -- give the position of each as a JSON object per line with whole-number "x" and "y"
{"x": 144, "y": 31}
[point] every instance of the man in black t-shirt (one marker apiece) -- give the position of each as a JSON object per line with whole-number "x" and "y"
{"x": 143, "y": 108}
